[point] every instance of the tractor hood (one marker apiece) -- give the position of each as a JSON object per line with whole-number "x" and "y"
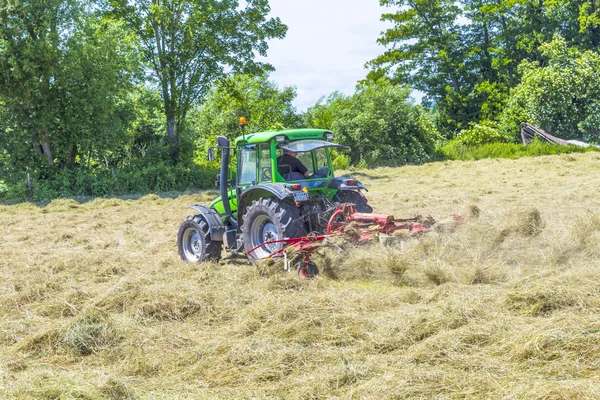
{"x": 301, "y": 146}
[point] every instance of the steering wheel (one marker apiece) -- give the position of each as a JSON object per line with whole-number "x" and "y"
{"x": 266, "y": 174}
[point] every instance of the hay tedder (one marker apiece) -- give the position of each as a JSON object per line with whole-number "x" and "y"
{"x": 272, "y": 212}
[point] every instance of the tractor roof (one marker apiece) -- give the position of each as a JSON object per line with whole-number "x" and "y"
{"x": 290, "y": 134}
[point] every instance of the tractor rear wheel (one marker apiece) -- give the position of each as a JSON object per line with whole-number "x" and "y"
{"x": 194, "y": 241}
{"x": 266, "y": 220}
{"x": 350, "y": 196}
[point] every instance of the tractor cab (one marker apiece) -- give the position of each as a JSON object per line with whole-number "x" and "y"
{"x": 265, "y": 157}
{"x": 284, "y": 187}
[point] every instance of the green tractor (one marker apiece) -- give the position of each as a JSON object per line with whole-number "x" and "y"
{"x": 265, "y": 201}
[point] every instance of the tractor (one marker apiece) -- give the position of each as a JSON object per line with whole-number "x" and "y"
{"x": 258, "y": 206}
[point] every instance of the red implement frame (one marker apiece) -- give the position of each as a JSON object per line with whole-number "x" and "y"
{"x": 346, "y": 222}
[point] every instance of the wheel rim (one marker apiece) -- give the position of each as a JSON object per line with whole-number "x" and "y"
{"x": 192, "y": 245}
{"x": 264, "y": 230}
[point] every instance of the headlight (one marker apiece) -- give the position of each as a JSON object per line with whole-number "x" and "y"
{"x": 280, "y": 138}
{"x": 329, "y": 136}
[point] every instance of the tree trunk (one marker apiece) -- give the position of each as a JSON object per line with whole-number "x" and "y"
{"x": 37, "y": 148}
{"x": 172, "y": 139}
{"x": 72, "y": 157}
{"x": 46, "y": 146}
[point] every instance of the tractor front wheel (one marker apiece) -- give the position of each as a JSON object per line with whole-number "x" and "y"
{"x": 266, "y": 220}
{"x": 194, "y": 241}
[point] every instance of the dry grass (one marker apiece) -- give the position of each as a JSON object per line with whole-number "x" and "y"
{"x": 95, "y": 304}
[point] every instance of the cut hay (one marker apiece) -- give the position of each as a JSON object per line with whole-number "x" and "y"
{"x": 95, "y": 303}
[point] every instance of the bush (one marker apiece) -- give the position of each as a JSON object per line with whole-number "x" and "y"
{"x": 341, "y": 161}
{"x": 485, "y": 132}
{"x": 454, "y": 150}
{"x": 379, "y": 123}
{"x": 160, "y": 177}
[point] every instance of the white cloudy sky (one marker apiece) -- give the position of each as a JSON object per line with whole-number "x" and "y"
{"x": 326, "y": 47}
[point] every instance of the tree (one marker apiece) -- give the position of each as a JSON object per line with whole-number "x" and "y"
{"x": 31, "y": 34}
{"x": 464, "y": 55}
{"x": 190, "y": 44}
{"x": 379, "y": 123}
{"x": 261, "y": 101}
{"x": 561, "y": 96}
{"x": 64, "y": 80}
{"x": 96, "y": 84}
{"x": 322, "y": 114}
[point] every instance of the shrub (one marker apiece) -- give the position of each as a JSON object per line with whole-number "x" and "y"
{"x": 161, "y": 177}
{"x": 456, "y": 151}
{"x": 341, "y": 161}
{"x": 484, "y": 132}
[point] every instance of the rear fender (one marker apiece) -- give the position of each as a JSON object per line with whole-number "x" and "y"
{"x": 213, "y": 219}
{"x": 337, "y": 183}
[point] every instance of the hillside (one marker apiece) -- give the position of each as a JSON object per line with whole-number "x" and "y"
{"x": 95, "y": 303}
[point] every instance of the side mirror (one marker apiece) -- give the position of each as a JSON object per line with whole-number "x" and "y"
{"x": 211, "y": 154}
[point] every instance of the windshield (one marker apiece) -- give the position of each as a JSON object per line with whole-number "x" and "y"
{"x": 315, "y": 161}
{"x": 309, "y": 145}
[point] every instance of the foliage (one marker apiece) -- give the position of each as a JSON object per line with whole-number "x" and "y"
{"x": 379, "y": 123}
{"x": 464, "y": 55}
{"x": 261, "y": 101}
{"x": 160, "y": 177}
{"x": 481, "y": 133}
{"x": 561, "y": 96}
{"x": 323, "y": 114}
{"x": 65, "y": 85}
{"x": 341, "y": 161}
{"x": 190, "y": 44}
{"x": 454, "y": 150}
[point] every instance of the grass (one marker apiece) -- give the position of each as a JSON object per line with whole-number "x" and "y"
{"x": 95, "y": 303}
{"x": 457, "y": 151}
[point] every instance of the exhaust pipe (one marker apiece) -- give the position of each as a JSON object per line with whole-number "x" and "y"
{"x": 231, "y": 227}
{"x": 223, "y": 144}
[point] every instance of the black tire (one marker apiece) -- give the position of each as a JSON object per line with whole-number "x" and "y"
{"x": 350, "y": 196}
{"x": 194, "y": 241}
{"x": 270, "y": 219}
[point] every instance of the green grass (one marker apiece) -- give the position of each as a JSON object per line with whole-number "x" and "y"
{"x": 456, "y": 151}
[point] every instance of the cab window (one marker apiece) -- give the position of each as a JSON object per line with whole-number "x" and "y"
{"x": 247, "y": 165}
{"x": 264, "y": 169}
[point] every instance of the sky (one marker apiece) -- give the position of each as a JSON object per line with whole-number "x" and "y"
{"x": 326, "y": 47}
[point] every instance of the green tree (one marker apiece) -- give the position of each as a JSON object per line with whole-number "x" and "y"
{"x": 379, "y": 123}
{"x": 190, "y": 44}
{"x": 64, "y": 80}
{"x": 465, "y": 55}
{"x": 95, "y": 96}
{"x": 31, "y": 35}
{"x": 560, "y": 96}
{"x": 262, "y": 102}
{"x": 322, "y": 115}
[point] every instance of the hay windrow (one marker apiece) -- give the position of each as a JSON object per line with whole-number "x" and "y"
{"x": 95, "y": 303}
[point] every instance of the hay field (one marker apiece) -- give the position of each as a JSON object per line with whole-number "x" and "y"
{"x": 95, "y": 303}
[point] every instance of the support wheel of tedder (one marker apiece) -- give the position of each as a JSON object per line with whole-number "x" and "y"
{"x": 350, "y": 196}
{"x": 307, "y": 269}
{"x": 270, "y": 219}
{"x": 194, "y": 241}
